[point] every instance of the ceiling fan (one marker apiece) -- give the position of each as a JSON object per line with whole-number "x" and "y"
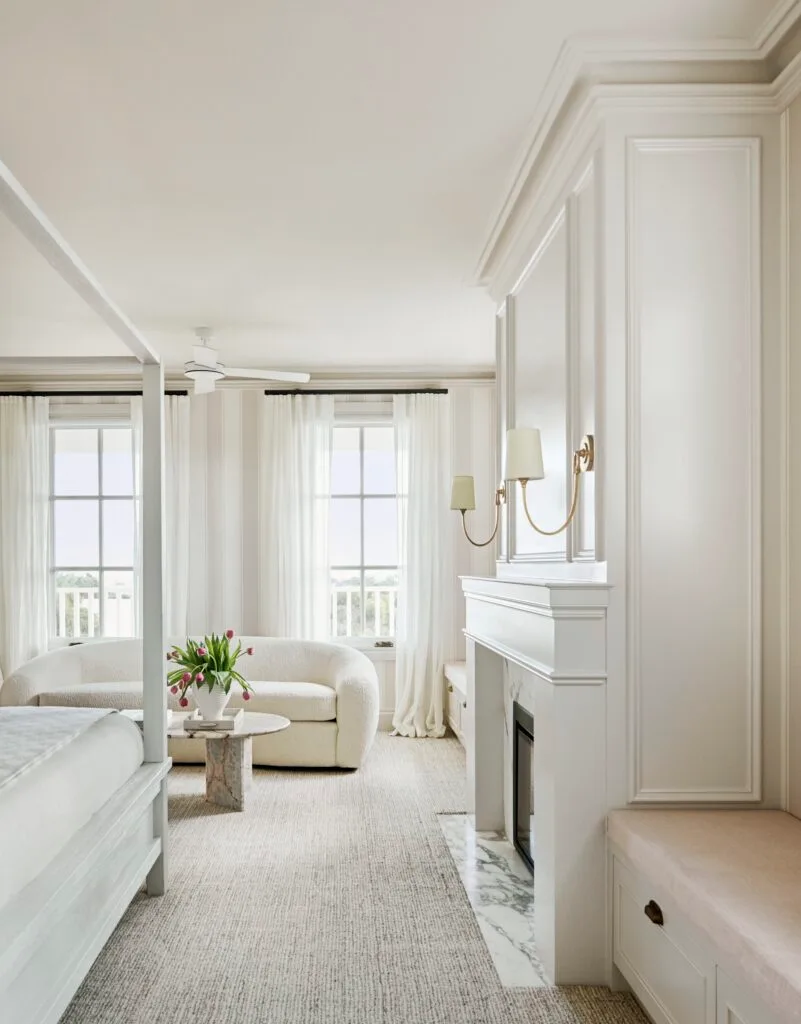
{"x": 205, "y": 369}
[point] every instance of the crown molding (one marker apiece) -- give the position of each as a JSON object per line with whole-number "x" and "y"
{"x": 776, "y": 26}
{"x": 97, "y": 374}
{"x": 593, "y": 75}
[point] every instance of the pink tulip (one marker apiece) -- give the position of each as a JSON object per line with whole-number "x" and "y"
{"x": 183, "y": 702}
{"x": 251, "y": 650}
{"x": 245, "y": 695}
{"x": 202, "y": 652}
{"x": 230, "y": 634}
{"x": 200, "y": 678}
{"x": 173, "y": 689}
{"x": 186, "y": 677}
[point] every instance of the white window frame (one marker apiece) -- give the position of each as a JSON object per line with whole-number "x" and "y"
{"x": 70, "y": 418}
{"x": 355, "y": 418}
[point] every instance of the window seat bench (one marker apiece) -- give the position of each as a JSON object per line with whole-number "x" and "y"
{"x": 706, "y": 913}
{"x": 455, "y": 673}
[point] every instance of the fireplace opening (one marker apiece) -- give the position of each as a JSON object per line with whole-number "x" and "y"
{"x": 523, "y": 783}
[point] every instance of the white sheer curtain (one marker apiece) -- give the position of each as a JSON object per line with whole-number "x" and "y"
{"x": 211, "y": 451}
{"x": 24, "y": 517}
{"x": 177, "y": 512}
{"x": 422, "y": 433}
{"x": 294, "y": 490}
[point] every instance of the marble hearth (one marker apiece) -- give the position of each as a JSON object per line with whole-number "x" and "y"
{"x": 543, "y": 644}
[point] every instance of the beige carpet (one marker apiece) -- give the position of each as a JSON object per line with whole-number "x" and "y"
{"x": 332, "y": 899}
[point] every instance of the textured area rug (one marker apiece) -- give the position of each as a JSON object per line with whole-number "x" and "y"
{"x": 332, "y": 899}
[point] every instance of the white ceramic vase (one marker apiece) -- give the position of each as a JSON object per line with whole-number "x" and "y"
{"x": 211, "y": 702}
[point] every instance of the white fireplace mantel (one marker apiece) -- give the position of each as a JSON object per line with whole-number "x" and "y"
{"x": 543, "y": 642}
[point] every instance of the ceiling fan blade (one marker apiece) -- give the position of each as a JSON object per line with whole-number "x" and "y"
{"x": 278, "y": 375}
{"x": 204, "y": 385}
{"x": 204, "y": 356}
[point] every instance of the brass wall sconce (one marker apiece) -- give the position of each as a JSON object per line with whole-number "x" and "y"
{"x": 523, "y": 463}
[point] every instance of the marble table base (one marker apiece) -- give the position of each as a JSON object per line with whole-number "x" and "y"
{"x": 229, "y": 770}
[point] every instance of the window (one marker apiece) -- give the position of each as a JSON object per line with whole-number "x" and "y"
{"x": 363, "y": 532}
{"x": 92, "y": 532}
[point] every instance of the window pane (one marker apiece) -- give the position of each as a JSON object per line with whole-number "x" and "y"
{"x": 117, "y": 461}
{"x": 118, "y": 604}
{"x": 77, "y": 604}
{"x": 345, "y": 536}
{"x": 118, "y": 532}
{"x": 75, "y": 461}
{"x": 380, "y": 602}
{"x": 345, "y": 461}
{"x": 346, "y": 603}
{"x": 380, "y": 531}
{"x": 379, "y": 460}
{"x": 75, "y": 533}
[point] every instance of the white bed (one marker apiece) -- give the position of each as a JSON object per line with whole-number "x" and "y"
{"x": 78, "y": 837}
{"x": 44, "y": 808}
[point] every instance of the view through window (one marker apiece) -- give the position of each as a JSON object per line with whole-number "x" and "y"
{"x": 364, "y": 532}
{"x": 93, "y": 524}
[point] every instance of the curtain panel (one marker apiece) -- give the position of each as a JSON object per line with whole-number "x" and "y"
{"x": 24, "y": 526}
{"x": 422, "y": 438}
{"x": 246, "y": 513}
{"x": 294, "y": 489}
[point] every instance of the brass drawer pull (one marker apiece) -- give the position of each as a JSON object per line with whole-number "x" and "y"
{"x": 450, "y": 687}
{"x": 654, "y": 913}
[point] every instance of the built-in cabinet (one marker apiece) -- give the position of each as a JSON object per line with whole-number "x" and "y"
{"x": 671, "y": 966}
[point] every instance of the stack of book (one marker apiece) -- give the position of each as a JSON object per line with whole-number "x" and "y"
{"x": 231, "y": 719}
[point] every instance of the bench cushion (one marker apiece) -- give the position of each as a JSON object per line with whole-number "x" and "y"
{"x": 736, "y": 875}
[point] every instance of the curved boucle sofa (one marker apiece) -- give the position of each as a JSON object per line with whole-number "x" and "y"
{"x": 328, "y": 691}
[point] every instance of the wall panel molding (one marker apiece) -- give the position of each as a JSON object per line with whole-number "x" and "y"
{"x": 725, "y": 587}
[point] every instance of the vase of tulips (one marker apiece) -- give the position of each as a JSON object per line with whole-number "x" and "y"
{"x": 206, "y": 670}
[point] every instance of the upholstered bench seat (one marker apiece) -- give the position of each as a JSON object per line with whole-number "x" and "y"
{"x": 736, "y": 876}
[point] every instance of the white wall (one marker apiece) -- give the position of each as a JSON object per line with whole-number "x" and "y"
{"x": 793, "y": 130}
{"x": 473, "y": 453}
{"x": 644, "y": 309}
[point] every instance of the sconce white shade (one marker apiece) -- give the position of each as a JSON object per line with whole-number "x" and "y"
{"x": 463, "y": 493}
{"x": 523, "y": 454}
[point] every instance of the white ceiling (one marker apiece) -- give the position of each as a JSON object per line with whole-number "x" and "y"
{"x": 313, "y": 179}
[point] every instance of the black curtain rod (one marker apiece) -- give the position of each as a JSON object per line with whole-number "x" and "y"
{"x": 359, "y": 391}
{"x": 80, "y": 394}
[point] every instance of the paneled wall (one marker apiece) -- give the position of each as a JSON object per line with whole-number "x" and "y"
{"x": 694, "y": 467}
{"x": 792, "y": 126}
{"x": 644, "y": 309}
{"x": 549, "y": 331}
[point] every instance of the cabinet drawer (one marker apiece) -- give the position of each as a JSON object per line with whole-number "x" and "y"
{"x": 736, "y": 1006}
{"x": 674, "y": 980}
{"x": 454, "y": 712}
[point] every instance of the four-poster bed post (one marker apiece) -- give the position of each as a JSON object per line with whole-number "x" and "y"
{"x": 154, "y": 692}
{"x": 52, "y": 931}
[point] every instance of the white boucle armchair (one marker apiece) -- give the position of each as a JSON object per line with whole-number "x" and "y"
{"x": 328, "y": 691}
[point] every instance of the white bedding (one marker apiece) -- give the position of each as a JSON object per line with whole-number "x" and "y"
{"x": 43, "y": 808}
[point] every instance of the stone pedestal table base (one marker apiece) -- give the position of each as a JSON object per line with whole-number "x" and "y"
{"x": 229, "y": 770}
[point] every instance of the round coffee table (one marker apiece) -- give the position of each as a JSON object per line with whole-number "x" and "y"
{"x": 229, "y": 755}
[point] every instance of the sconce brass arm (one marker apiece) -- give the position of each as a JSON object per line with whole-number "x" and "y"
{"x": 500, "y": 497}
{"x": 583, "y": 461}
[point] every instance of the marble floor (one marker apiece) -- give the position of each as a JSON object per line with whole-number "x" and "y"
{"x": 501, "y": 892}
